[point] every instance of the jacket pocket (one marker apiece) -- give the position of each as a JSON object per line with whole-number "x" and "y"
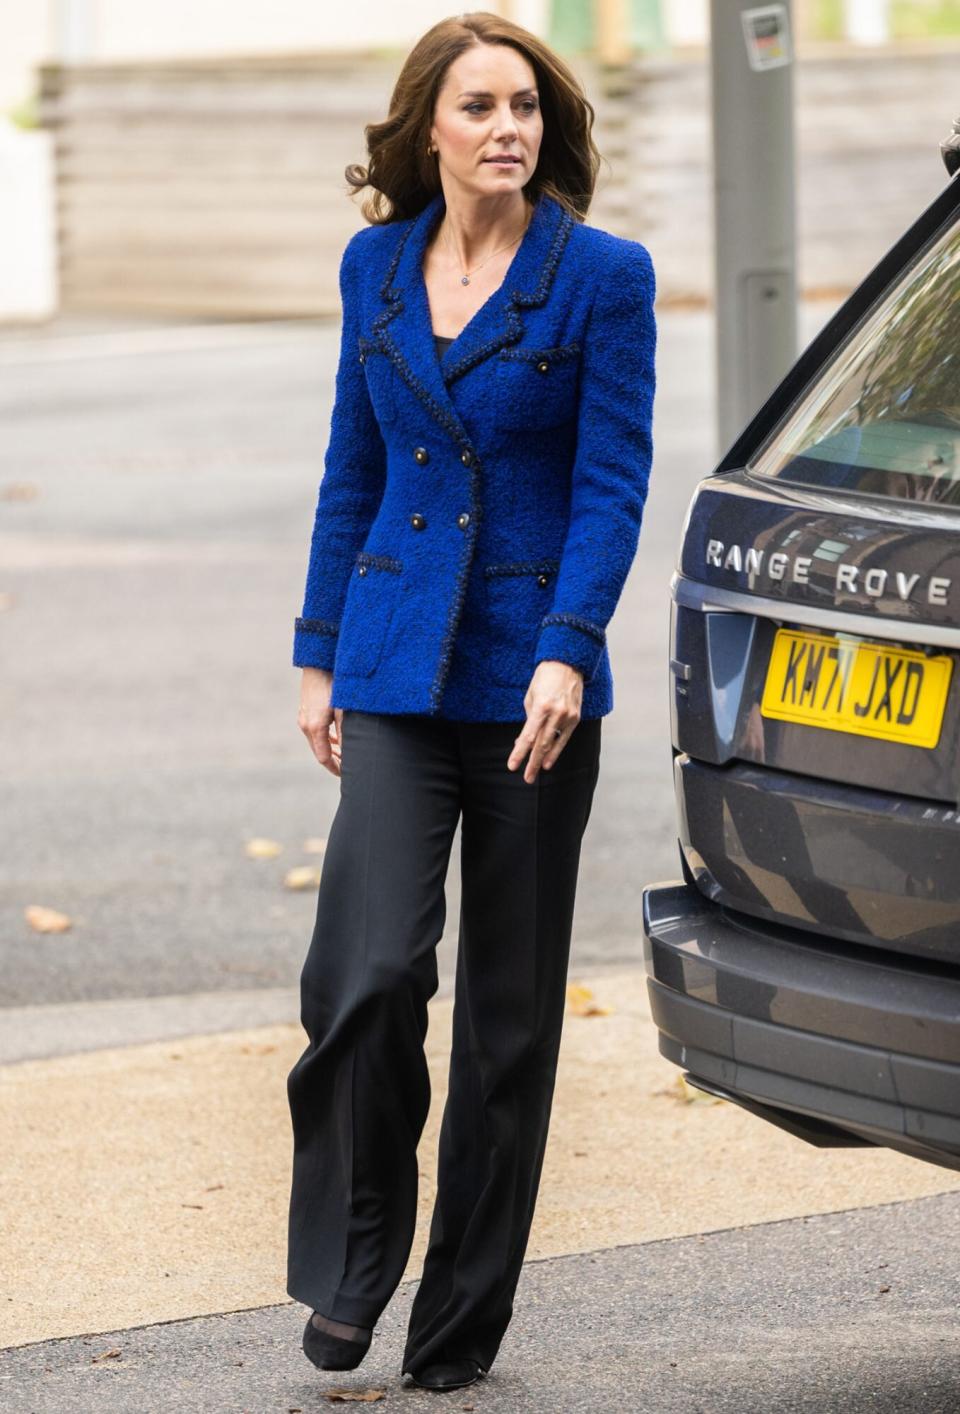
{"x": 367, "y": 614}
{"x": 519, "y": 593}
{"x": 537, "y": 388}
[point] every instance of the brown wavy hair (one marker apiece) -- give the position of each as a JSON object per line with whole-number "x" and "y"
{"x": 402, "y": 175}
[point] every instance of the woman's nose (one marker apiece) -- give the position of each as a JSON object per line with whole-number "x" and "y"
{"x": 505, "y": 125}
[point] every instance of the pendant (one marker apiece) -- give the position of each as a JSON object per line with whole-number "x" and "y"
{"x": 464, "y": 279}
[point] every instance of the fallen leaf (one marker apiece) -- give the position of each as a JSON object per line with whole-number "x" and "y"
{"x": 105, "y": 1355}
{"x": 581, "y": 1003}
{"x": 316, "y": 844}
{"x": 883, "y": 1289}
{"x": 356, "y": 1396}
{"x": 259, "y": 848}
{"x": 191, "y": 1205}
{"x": 304, "y": 876}
{"x": 214, "y": 1187}
{"x": 46, "y": 920}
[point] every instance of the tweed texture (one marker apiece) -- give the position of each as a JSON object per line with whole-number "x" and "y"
{"x": 480, "y": 507}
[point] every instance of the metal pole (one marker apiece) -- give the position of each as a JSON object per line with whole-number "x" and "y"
{"x": 755, "y": 241}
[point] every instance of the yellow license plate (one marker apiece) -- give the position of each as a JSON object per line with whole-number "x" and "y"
{"x": 846, "y": 685}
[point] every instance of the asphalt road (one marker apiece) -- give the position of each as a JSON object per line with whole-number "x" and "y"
{"x": 157, "y": 490}
{"x": 842, "y": 1313}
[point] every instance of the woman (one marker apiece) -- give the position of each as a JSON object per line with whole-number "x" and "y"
{"x": 479, "y": 510}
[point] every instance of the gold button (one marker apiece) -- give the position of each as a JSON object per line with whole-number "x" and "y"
{"x": 543, "y": 366}
{"x": 463, "y": 519}
{"x": 466, "y": 457}
{"x": 421, "y": 455}
{"x": 361, "y": 569}
{"x": 543, "y": 579}
{"x": 417, "y": 521}
{"x": 363, "y": 358}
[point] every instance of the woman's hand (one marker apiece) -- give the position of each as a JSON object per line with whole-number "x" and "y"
{"x": 320, "y": 723}
{"x": 552, "y": 704}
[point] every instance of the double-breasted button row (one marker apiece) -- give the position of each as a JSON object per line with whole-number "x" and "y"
{"x": 419, "y": 522}
{"x": 421, "y": 456}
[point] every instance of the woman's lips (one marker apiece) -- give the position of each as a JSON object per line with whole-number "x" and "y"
{"x": 504, "y": 161}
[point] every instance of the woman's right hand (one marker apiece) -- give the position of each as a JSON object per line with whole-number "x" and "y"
{"x": 320, "y": 723}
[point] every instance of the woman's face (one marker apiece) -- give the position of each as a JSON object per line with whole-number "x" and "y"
{"x": 487, "y": 123}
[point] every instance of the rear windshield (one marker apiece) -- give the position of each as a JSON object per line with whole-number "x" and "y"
{"x": 883, "y": 417}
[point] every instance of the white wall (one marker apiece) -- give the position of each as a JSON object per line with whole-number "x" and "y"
{"x": 24, "y": 39}
{"x": 28, "y": 279}
{"x": 33, "y": 30}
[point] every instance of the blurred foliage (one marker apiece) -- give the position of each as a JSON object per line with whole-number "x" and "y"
{"x": 572, "y": 25}
{"x": 909, "y": 19}
{"x": 25, "y": 114}
{"x": 921, "y": 19}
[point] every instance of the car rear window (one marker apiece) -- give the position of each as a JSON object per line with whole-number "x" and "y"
{"x": 883, "y": 417}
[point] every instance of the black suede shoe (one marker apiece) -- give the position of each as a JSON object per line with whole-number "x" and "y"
{"x": 448, "y": 1374}
{"x": 334, "y": 1352}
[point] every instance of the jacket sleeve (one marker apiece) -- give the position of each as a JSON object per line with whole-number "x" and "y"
{"x": 611, "y": 467}
{"x": 350, "y": 490}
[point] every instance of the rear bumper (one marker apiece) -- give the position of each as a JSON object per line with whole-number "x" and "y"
{"x": 864, "y": 865}
{"x": 834, "y": 1042}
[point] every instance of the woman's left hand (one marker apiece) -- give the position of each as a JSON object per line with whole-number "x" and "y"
{"x": 552, "y": 704}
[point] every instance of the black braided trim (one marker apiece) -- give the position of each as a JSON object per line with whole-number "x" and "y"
{"x": 561, "y": 352}
{"x": 466, "y": 557}
{"x": 574, "y": 621}
{"x": 514, "y": 324}
{"x": 380, "y": 562}
{"x": 317, "y": 626}
{"x": 523, "y": 567}
{"x": 511, "y": 333}
{"x": 561, "y": 236}
{"x": 446, "y": 417}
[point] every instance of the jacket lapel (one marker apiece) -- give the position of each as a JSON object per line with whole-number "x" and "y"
{"x": 403, "y": 329}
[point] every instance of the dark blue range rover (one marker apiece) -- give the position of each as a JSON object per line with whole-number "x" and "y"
{"x": 807, "y": 966}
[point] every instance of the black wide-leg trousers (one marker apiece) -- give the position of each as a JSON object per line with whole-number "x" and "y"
{"x": 359, "y": 1093}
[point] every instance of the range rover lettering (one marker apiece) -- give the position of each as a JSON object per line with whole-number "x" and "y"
{"x": 807, "y": 964}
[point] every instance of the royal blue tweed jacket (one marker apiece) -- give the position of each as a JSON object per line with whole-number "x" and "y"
{"x": 479, "y": 511}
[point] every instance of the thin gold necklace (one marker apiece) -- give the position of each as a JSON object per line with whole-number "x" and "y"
{"x": 465, "y": 277}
